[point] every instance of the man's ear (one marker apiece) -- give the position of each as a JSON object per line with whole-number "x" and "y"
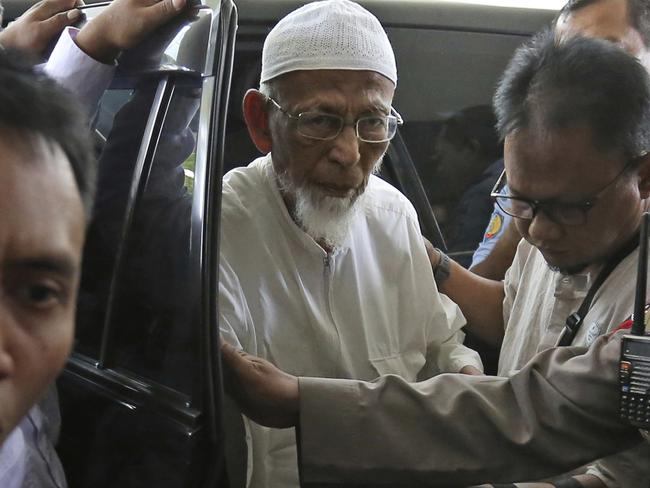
{"x": 257, "y": 120}
{"x": 644, "y": 176}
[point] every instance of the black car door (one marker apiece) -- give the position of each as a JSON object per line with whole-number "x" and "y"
{"x": 141, "y": 396}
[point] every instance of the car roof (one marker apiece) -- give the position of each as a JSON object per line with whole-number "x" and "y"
{"x": 446, "y": 14}
{"x": 450, "y": 14}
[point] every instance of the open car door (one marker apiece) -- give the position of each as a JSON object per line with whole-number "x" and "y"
{"x": 141, "y": 396}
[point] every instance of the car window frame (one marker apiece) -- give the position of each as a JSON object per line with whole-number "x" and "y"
{"x": 126, "y": 387}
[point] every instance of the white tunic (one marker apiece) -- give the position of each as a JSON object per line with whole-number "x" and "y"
{"x": 537, "y": 303}
{"x": 368, "y": 308}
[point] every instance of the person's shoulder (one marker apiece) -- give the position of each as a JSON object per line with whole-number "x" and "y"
{"x": 385, "y": 201}
{"x": 243, "y": 177}
{"x": 243, "y": 188}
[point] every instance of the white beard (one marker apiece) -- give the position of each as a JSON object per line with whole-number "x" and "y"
{"x": 325, "y": 218}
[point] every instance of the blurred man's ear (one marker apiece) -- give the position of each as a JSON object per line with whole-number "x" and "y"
{"x": 257, "y": 120}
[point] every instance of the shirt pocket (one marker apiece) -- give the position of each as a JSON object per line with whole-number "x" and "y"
{"x": 404, "y": 364}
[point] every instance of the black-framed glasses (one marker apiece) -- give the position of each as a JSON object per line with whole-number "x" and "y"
{"x": 569, "y": 213}
{"x": 324, "y": 127}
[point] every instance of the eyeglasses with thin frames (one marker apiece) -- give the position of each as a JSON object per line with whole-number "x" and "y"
{"x": 570, "y": 214}
{"x": 323, "y": 126}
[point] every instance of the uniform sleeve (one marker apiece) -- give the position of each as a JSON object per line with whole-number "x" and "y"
{"x": 493, "y": 232}
{"x": 78, "y": 72}
{"x": 557, "y": 413}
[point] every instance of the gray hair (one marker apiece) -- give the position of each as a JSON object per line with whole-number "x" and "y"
{"x": 269, "y": 88}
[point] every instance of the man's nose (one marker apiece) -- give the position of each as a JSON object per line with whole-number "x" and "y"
{"x": 542, "y": 229}
{"x": 346, "y": 147}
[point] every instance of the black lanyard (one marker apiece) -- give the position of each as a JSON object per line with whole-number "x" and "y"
{"x": 574, "y": 321}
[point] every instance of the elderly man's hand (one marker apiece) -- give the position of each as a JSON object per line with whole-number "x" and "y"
{"x": 265, "y": 394}
{"x": 123, "y": 25}
{"x": 39, "y": 25}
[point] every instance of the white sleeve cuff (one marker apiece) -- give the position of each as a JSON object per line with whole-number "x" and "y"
{"x": 78, "y": 72}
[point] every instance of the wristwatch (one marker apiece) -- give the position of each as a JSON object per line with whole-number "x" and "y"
{"x": 441, "y": 272}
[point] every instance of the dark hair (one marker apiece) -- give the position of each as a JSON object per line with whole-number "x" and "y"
{"x": 33, "y": 104}
{"x": 639, "y": 14}
{"x": 581, "y": 80}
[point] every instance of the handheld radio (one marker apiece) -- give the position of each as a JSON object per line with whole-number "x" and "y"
{"x": 634, "y": 368}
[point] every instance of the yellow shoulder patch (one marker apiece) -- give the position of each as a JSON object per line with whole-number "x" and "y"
{"x": 494, "y": 227}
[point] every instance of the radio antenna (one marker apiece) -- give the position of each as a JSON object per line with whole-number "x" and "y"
{"x": 638, "y": 326}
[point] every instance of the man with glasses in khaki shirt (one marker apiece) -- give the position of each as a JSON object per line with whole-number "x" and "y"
{"x": 576, "y": 197}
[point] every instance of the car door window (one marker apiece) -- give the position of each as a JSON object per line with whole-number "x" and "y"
{"x": 450, "y": 126}
{"x": 138, "y": 297}
{"x": 154, "y": 324}
{"x": 141, "y": 397}
{"x": 117, "y": 153}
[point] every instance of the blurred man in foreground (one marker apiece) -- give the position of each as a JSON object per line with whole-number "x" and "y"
{"x": 83, "y": 62}
{"x": 46, "y": 193}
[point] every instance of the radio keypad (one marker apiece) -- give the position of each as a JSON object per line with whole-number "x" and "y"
{"x": 634, "y": 379}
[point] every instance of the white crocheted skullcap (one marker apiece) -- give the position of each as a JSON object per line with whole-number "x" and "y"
{"x": 330, "y": 34}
